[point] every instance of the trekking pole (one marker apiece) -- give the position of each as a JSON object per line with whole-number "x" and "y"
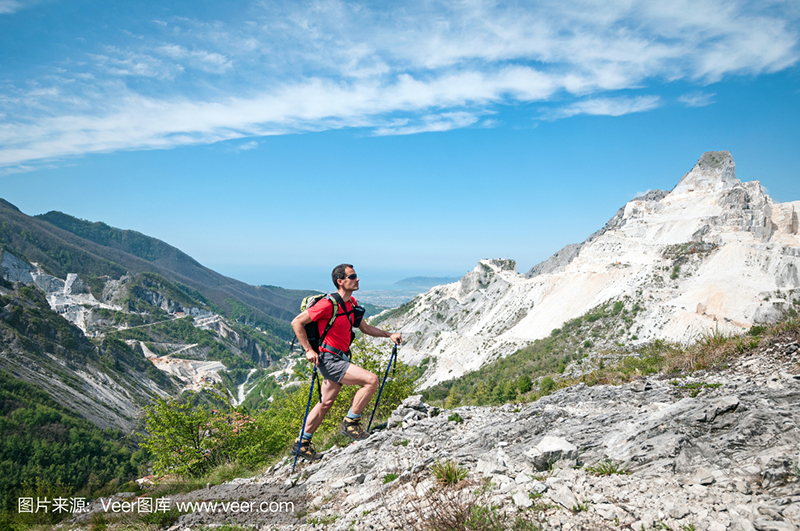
{"x": 392, "y": 357}
{"x": 303, "y": 429}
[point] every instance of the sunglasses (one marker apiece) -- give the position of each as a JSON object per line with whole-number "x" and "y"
{"x": 351, "y": 277}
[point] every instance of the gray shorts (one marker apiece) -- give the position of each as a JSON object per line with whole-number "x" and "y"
{"x": 332, "y": 366}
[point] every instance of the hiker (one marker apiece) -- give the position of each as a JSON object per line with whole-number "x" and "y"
{"x": 333, "y": 359}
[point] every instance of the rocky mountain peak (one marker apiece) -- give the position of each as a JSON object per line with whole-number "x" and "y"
{"x": 715, "y": 254}
{"x": 714, "y": 171}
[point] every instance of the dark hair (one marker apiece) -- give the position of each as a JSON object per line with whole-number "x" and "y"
{"x": 338, "y": 273}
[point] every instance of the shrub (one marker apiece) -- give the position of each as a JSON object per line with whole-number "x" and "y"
{"x": 188, "y": 440}
{"x": 524, "y": 384}
{"x": 547, "y": 386}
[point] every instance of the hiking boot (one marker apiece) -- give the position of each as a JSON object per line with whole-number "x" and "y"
{"x": 307, "y": 451}
{"x": 352, "y": 428}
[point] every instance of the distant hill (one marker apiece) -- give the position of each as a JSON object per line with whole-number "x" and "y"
{"x": 424, "y": 282}
{"x": 63, "y": 244}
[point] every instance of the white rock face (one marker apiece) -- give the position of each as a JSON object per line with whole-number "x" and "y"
{"x": 15, "y": 270}
{"x": 740, "y": 265}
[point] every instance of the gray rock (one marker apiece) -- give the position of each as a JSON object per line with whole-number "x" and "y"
{"x": 550, "y": 450}
{"x": 490, "y": 465}
{"x": 608, "y": 511}
{"x": 702, "y": 476}
{"x": 558, "y": 262}
{"x": 15, "y": 270}
{"x": 562, "y": 495}
{"x": 777, "y": 471}
{"x": 522, "y": 478}
{"x": 772, "y": 525}
{"x": 522, "y": 499}
{"x": 537, "y": 487}
{"x": 415, "y": 402}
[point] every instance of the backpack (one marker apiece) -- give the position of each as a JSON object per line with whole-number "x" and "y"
{"x": 312, "y": 328}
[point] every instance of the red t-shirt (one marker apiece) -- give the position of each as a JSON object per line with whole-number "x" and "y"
{"x": 339, "y": 334}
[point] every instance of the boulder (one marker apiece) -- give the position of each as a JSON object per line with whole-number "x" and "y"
{"x": 550, "y": 450}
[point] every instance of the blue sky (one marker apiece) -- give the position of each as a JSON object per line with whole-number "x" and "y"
{"x": 272, "y": 140}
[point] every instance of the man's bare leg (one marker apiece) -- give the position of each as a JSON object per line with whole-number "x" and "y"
{"x": 369, "y": 384}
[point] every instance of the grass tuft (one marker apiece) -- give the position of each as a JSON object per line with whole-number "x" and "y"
{"x": 607, "y": 467}
{"x": 455, "y": 417}
{"x": 448, "y": 472}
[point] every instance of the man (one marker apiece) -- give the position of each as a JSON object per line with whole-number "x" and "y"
{"x": 333, "y": 359}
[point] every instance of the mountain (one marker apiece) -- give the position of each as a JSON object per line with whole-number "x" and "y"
{"x": 714, "y": 255}
{"x": 103, "y": 320}
{"x": 106, "y": 382}
{"x": 62, "y": 244}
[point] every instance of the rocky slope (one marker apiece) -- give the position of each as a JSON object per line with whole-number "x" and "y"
{"x": 714, "y": 254}
{"x": 711, "y": 451}
{"x": 106, "y": 383}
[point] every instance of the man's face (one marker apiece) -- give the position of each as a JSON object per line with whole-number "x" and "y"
{"x": 350, "y": 284}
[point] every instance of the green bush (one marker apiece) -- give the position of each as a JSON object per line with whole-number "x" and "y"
{"x": 547, "y": 386}
{"x": 524, "y": 384}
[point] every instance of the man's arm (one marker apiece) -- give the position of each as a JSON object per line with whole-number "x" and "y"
{"x": 377, "y": 332}
{"x": 298, "y": 325}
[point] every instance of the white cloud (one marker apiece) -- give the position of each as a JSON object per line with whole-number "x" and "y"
{"x": 118, "y": 62}
{"x": 429, "y": 123}
{"x": 439, "y": 65}
{"x": 697, "y": 99}
{"x": 8, "y": 7}
{"x": 605, "y": 107}
{"x": 247, "y": 146}
{"x": 207, "y": 61}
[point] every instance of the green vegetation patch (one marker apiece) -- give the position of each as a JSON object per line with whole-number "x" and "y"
{"x": 45, "y": 448}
